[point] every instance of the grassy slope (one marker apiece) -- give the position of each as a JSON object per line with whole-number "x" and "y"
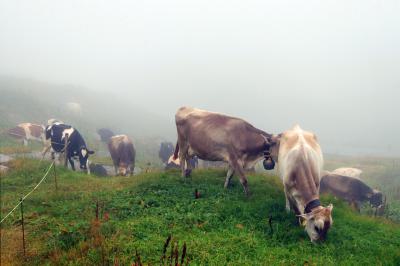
{"x": 222, "y": 227}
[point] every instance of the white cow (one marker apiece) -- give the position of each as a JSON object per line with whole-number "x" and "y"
{"x": 348, "y": 171}
{"x": 300, "y": 163}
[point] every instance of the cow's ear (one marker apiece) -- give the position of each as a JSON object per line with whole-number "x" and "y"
{"x": 330, "y": 207}
{"x": 274, "y": 139}
{"x": 90, "y": 152}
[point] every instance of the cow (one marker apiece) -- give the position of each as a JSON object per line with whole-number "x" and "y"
{"x": 217, "y": 137}
{"x": 47, "y": 144}
{"x": 27, "y": 132}
{"x": 176, "y": 164}
{"x": 172, "y": 163}
{"x": 123, "y": 154}
{"x": 76, "y": 146}
{"x": 98, "y": 169}
{"x": 105, "y": 134}
{"x": 165, "y": 152}
{"x": 300, "y": 163}
{"x": 351, "y": 189}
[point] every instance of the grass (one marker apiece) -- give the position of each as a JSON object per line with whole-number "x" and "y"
{"x": 222, "y": 227}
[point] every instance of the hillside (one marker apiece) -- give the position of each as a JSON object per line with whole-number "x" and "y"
{"x": 27, "y": 100}
{"x": 138, "y": 213}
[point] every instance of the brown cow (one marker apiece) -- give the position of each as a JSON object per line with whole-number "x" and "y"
{"x": 300, "y": 165}
{"x": 123, "y": 154}
{"x": 28, "y": 131}
{"x": 216, "y": 137}
{"x": 351, "y": 189}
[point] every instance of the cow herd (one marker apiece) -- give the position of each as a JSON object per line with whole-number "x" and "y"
{"x": 211, "y": 136}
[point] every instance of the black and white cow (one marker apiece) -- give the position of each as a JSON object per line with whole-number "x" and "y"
{"x": 76, "y": 146}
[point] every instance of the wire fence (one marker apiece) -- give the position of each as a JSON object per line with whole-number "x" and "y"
{"x": 66, "y": 144}
{"x": 30, "y": 192}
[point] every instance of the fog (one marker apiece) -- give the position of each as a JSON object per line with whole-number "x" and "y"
{"x": 330, "y": 66}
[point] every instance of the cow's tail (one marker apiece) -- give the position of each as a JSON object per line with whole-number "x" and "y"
{"x": 176, "y": 152}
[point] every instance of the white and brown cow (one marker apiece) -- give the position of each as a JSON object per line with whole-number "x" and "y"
{"x": 123, "y": 154}
{"x": 216, "y": 137}
{"x": 27, "y": 132}
{"x": 300, "y": 163}
{"x": 174, "y": 163}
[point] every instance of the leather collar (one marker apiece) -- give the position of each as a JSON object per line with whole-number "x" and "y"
{"x": 311, "y": 205}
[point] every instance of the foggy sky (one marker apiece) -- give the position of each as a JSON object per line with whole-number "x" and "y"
{"x": 331, "y": 66}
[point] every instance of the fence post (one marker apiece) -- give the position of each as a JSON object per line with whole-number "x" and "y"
{"x": 55, "y": 175}
{"x": 22, "y": 223}
{"x": 66, "y": 150}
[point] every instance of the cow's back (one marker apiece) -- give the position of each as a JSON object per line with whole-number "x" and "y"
{"x": 214, "y": 136}
{"x": 345, "y": 187}
{"x": 300, "y": 163}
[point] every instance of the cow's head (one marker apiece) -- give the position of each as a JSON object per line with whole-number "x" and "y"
{"x": 317, "y": 222}
{"x": 376, "y": 198}
{"x": 83, "y": 157}
{"x": 275, "y": 141}
{"x": 124, "y": 169}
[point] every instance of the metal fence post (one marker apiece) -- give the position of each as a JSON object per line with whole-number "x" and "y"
{"x": 22, "y": 223}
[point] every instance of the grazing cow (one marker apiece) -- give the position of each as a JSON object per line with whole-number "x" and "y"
{"x": 175, "y": 163}
{"x": 28, "y": 131}
{"x": 350, "y": 189}
{"x": 123, "y": 154}
{"x": 166, "y": 150}
{"x": 105, "y": 134}
{"x": 300, "y": 164}
{"x": 347, "y": 171}
{"x": 217, "y": 137}
{"x": 76, "y": 146}
{"x": 47, "y": 144}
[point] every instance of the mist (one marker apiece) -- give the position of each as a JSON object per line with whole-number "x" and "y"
{"x": 330, "y": 66}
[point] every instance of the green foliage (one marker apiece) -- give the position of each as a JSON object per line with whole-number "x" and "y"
{"x": 222, "y": 227}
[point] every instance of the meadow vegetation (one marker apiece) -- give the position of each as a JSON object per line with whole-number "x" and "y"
{"x": 135, "y": 215}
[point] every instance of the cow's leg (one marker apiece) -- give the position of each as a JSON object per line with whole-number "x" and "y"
{"x": 45, "y": 150}
{"x": 229, "y": 175}
{"x": 25, "y": 142}
{"x": 116, "y": 167}
{"x": 189, "y": 166}
{"x": 71, "y": 161}
{"x": 132, "y": 168}
{"x": 239, "y": 169}
{"x": 182, "y": 159}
